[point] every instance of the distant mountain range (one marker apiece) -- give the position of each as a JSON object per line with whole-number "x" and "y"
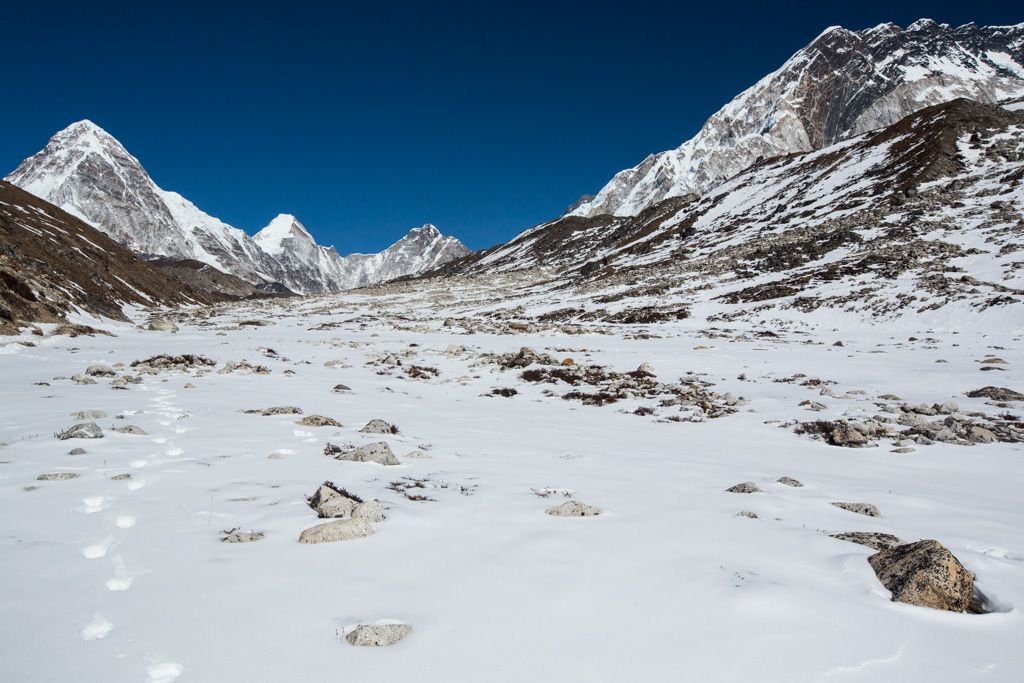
{"x": 88, "y": 173}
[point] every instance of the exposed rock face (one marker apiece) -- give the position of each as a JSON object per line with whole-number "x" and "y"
{"x": 377, "y": 635}
{"x": 331, "y": 501}
{"x": 925, "y": 574}
{"x": 844, "y": 83}
{"x": 573, "y": 508}
{"x": 341, "y": 530}
{"x": 49, "y": 261}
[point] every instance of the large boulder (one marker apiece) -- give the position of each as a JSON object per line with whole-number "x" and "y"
{"x": 82, "y": 430}
{"x": 925, "y": 574}
{"x": 341, "y": 530}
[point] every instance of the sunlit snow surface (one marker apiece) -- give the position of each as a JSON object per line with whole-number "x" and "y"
{"x": 127, "y": 580}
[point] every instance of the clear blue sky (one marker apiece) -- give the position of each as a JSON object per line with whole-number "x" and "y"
{"x": 483, "y": 118}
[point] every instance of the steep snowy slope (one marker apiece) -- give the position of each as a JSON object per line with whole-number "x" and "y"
{"x": 911, "y": 218}
{"x": 842, "y": 84}
{"x": 87, "y": 172}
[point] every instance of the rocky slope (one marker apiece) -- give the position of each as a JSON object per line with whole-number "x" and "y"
{"x": 53, "y": 264}
{"x": 918, "y": 217}
{"x": 87, "y": 172}
{"x": 844, "y": 83}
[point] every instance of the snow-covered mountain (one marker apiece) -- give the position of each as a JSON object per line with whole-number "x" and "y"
{"x": 85, "y": 171}
{"x": 310, "y": 267}
{"x": 844, "y": 83}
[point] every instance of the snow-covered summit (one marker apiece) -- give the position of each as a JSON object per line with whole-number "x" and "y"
{"x": 843, "y": 83}
{"x": 88, "y": 173}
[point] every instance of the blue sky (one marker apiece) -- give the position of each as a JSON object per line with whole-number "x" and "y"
{"x": 482, "y": 118}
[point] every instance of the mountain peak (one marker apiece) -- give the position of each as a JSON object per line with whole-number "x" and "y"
{"x": 284, "y": 227}
{"x": 428, "y": 229}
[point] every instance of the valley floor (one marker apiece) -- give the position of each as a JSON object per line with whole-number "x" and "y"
{"x": 127, "y": 579}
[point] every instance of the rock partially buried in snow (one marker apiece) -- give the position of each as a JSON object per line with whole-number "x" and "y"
{"x": 573, "y": 508}
{"x": 341, "y": 530}
{"x": 318, "y": 421}
{"x": 82, "y": 379}
{"x": 790, "y": 481}
{"x": 924, "y": 574}
{"x": 745, "y": 487}
{"x": 82, "y": 430}
{"x": 860, "y": 508}
{"x": 341, "y": 389}
{"x": 377, "y": 635}
{"x": 872, "y": 539}
{"x": 236, "y": 535}
{"x": 160, "y": 325}
{"x": 76, "y": 451}
{"x": 57, "y": 476}
{"x": 379, "y": 453}
{"x": 330, "y": 501}
{"x": 131, "y": 429}
{"x": 379, "y": 427}
{"x": 277, "y": 410}
{"x": 371, "y": 511}
{"x": 100, "y": 371}
{"x": 89, "y": 414}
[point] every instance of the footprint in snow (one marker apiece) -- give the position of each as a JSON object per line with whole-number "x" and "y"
{"x": 97, "y": 629}
{"x": 136, "y": 484}
{"x": 172, "y": 452}
{"x": 164, "y": 672}
{"x": 125, "y": 521}
{"x": 98, "y": 550}
{"x": 121, "y": 580}
{"x": 94, "y": 504}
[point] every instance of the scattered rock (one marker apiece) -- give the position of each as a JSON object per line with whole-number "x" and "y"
{"x": 89, "y": 414}
{"x": 371, "y": 511}
{"x": 747, "y": 513}
{"x": 341, "y": 389}
{"x": 379, "y": 452}
{"x": 379, "y": 427}
{"x": 76, "y": 451}
{"x": 377, "y": 635}
{"x": 573, "y": 508}
{"x": 57, "y": 476}
{"x": 100, "y": 371}
{"x": 745, "y": 487}
{"x": 318, "y": 421}
{"x": 236, "y": 535}
{"x": 860, "y": 508}
{"x": 340, "y": 530}
{"x": 925, "y": 574}
{"x": 872, "y": 539}
{"x": 165, "y": 362}
{"x": 996, "y": 394}
{"x": 331, "y": 501}
{"x": 790, "y": 481}
{"x": 243, "y": 367}
{"x": 161, "y": 325}
{"x": 131, "y": 429}
{"x": 82, "y": 430}
{"x": 276, "y": 410}
{"x": 82, "y": 379}
{"x": 121, "y": 477}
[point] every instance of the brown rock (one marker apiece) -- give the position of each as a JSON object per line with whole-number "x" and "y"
{"x": 924, "y": 574}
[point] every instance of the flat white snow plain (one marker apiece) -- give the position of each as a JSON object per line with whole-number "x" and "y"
{"x": 127, "y": 580}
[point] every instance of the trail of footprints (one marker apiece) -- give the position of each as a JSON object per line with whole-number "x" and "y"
{"x": 99, "y": 626}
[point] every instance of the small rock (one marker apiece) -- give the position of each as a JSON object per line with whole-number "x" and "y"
{"x": 978, "y": 434}
{"x": 993, "y": 361}
{"x": 318, "y": 421}
{"x": 329, "y": 501}
{"x": 76, "y": 451}
{"x": 341, "y": 389}
{"x": 860, "y": 508}
{"x": 89, "y": 414}
{"x": 82, "y": 430}
{"x": 813, "y": 405}
{"x": 844, "y": 434}
{"x": 789, "y": 481}
{"x": 57, "y": 476}
{"x": 82, "y": 379}
{"x": 996, "y": 394}
{"x": 745, "y": 487}
{"x": 161, "y": 325}
{"x": 377, "y": 635}
{"x": 902, "y": 449}
{"x": 379, "y": 452}
{"x": 278, "y": 410}
{"x": 568, "y": 362}
{"x": 189, "y": 385}
{"x": 131, "y": 429}
{"x": 747, "y": 513}
{"x": 573, "y": 508}
{"x": 379, "y": 427}
{"x": 121, "y": 477}
{"x": 238, "y": 536}
{"x": 100, "y": 371}
{"x": 925, "y": 574}
{"x": 872, "y": 539}
{"x": 340, "y": 530}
